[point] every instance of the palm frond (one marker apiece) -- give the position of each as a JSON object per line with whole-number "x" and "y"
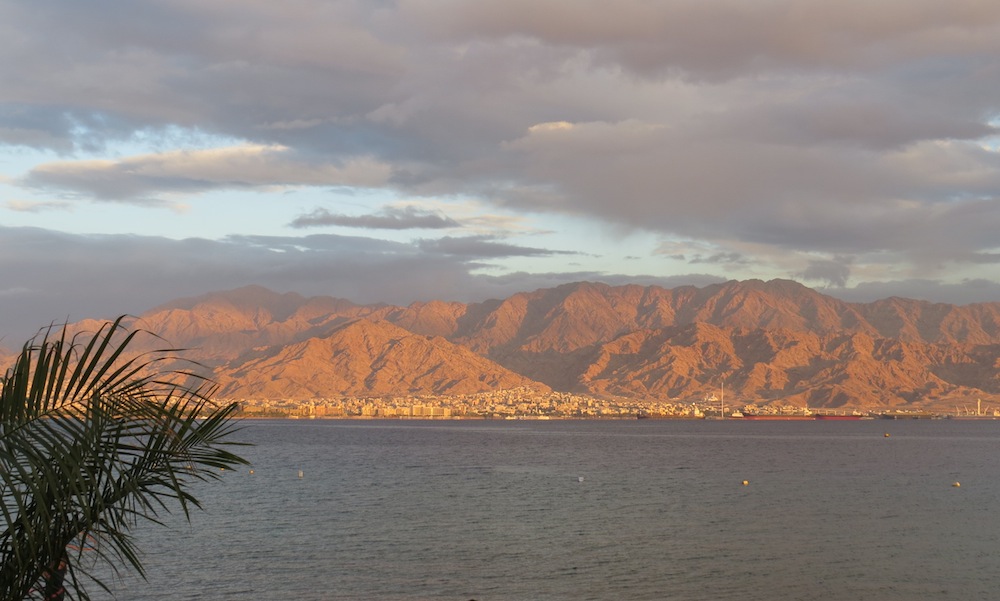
{"x": 94, "y": 440}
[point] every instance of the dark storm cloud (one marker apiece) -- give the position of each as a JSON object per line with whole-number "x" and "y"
{"x": 390, "y": 218}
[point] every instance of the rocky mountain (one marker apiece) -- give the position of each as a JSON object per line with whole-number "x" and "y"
{"x": 775, "y": 341}
{"x": 364, "y": 358}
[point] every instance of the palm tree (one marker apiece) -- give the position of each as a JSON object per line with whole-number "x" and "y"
{"x": 95, "y": 437}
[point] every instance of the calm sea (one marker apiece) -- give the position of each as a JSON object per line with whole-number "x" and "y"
{"x": 603, "y": 510}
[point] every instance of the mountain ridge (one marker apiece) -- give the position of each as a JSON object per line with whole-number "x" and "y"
{"x": 775, "y": 341}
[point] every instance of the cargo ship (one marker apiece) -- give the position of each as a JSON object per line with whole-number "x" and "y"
{"x": 776, "y": 417}
{"x": 800, "y": 418}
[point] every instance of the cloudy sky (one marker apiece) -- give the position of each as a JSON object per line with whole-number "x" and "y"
{"x": 395, "y": 151}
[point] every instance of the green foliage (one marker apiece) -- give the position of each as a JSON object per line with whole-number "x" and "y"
{"x": 93, "y": 439}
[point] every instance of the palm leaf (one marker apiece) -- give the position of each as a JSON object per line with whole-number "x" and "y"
{"x": 94, "y": 440}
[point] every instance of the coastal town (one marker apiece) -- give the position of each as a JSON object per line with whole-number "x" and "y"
{"x": 522, "y": 402}
{"x": 526, "y": 403}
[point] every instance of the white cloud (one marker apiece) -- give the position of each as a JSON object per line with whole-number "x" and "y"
{"x": 190, "y": 171}
{"x": 31, "y": 206}
{"x": 551, "y": 126}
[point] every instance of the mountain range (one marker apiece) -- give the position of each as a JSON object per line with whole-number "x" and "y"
{"x": 767, "y": 342}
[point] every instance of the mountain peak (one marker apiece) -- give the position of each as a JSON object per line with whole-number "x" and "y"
{"x": 773, "y": 341}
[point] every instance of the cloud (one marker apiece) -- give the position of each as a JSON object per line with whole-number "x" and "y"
{"x": 62, "y": 276}
{"x": 136, "y": 179}
{"x": 390, "y": 218}
{"x": 720, "y": 258}
{"x": 810, "y": 198}
{"x": 28, "y": 206}
{"x": 833, "y": 272}
{"x": 483, "y": 247}
{"x": 724, "y": 38}
{"x": 788, "y": 133}
{"x": 54, "y": 276}
{"x": 16, "y": 291}
{"x": 959, "y": 293}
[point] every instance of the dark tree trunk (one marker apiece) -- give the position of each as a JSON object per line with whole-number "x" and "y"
{"x": 54, "y": 577}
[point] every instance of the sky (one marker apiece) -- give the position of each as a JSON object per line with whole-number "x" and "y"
{"x": 403, "y": 151}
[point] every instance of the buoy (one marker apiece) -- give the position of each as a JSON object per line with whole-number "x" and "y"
{"x": 251, "y": 472}
{"x": 887, "y": 435}
{"x": 746, "y": 483}
{"x": 956, "y": 484}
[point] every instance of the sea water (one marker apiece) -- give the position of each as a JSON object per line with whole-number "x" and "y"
{"x": 602, "y": 510}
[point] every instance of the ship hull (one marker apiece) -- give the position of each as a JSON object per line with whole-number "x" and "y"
{"x": 779, "y": 418}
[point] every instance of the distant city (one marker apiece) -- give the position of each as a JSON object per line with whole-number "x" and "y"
{"x": 526, "y": 403}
